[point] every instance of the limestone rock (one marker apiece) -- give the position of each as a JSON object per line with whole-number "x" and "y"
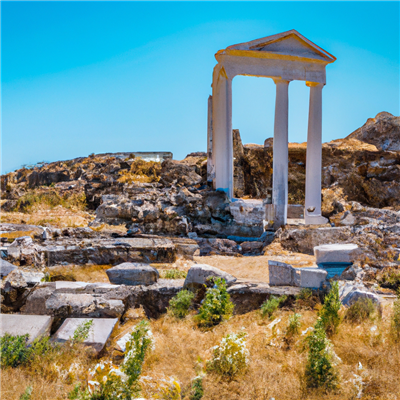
{"x": 99, "y": 332}
{"x": 34, "y": 325}
{"x": 199, "y": 275}
{"x": 64, "y": 305}
{"x": 178, "y": 174}
{"x": 280, "y": 273}
{"x": 133, "y": 274}
{"x": 309, "y": 277}
{"x": 336, "y": 253}
{"x": 6, "y": 268}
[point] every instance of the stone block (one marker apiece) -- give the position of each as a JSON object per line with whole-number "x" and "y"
{"x": 280, "y": 274}
{"x": 133, "y": 274}
{"x": 34, "y": 325}
{"x": 309, "y": 277}
{"x": 336, "y": 253}
{"x": 6, "y": 268}
{"x": 357, "y": 294}
{"x": 199, "y": 274}
{"x": 99, "y": 332}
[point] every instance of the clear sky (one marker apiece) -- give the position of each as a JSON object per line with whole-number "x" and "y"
{"x": 94, "y": 77}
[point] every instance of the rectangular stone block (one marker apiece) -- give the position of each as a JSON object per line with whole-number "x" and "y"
{"x": 309, "y": 277}
{"x": 33, "y": 325}
{"x": 280, "y": 274}
{"x": 99, "y": 332}
{"x": 336, "y": 253}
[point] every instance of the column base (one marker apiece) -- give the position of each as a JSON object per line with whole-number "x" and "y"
{"x": 315, "y": 219}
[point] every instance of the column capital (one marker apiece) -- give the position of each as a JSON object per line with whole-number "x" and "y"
{"x": 315, "y": 84}
{"x": 280, "y": 80}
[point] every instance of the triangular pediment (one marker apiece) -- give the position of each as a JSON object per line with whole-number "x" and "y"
{"x": 290, "y": 43}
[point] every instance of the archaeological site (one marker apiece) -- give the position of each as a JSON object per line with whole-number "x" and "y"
{"x": 244, "y": 271}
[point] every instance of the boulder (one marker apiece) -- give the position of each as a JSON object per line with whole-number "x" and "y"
{"x": 34, "y": 325}
{"x": 356, "y": 294}
{"x": 36, "y": 300}
{"x": 99, "y": 332}
{"x": 133, "y": 274}
{"x": 252, "y": 248}
{"x": 199, "y": 275}
{"x": 336, "y": 253}
{"x": 6, "y": 268}
{"x": 249, "y": 296}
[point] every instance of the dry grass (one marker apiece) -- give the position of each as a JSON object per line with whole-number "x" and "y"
{"x": 59, "y": 217}
{"x": 274, "y": 371}
{"x": 256, "y": 268}
{"x": 80, "y": 273}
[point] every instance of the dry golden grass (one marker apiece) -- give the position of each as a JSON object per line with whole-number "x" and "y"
{"x": 274, "y": 371}
{"x": 80, "y": 273}
{"x": 256, "y": 268}
{"x": 59, "y": 217}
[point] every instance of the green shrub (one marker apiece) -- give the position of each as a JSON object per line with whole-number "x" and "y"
{"x": 360, "y": 310}
{"x": 197, "y": 391}
{"x": 230, "y": 357}
{"x": 307, "y": 299}
{"x": 173, "y": 274}
{"x": 180, "y": 304}
{"x": 293, "y": 327}
{"x": 320, "y": 368}
{"x": 14, "y": 350}
{"x": 216, "y": 305}
{"x": 329, "y": 313}
{"x": 27, "y": 394}
{"x": 271, "y": 305}
{"x": 395, "y": 325}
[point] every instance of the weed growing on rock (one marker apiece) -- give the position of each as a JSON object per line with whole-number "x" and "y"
{"x": 180, "y": 304}
{"x": 271, "y": 305}
{"x": 320, "y": 368}
{"x": 360, "y": 311}
{"x": 216, "y": 305}
{"x": 230, "y": 357}
{"x": 390, "y": 278}
{"x": 81, "y": 333}
{"x": 329, "y": 313}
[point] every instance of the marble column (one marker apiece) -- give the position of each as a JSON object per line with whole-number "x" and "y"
{"x": 210, "y": 166}
{"x": 312, "y": 212}
{"x": 280, "y": 153}
{"x": 222, "y": 131}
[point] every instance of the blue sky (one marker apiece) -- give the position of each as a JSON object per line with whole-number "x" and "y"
{"x": 94, "y": 77}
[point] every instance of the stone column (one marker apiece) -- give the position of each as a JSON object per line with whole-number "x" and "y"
{"x": 222, "y": 131}
{"x": 210, "y": 166}
{"x": 312, "y": 212}
{"x": 280, "y": 153}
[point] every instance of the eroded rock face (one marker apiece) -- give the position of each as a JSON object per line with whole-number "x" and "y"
{"x": 383, "y": 131}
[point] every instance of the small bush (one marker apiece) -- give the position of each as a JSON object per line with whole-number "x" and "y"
{"x": 173, "y": 274}
{"x": 360, "y": 310}
{"x": 390, "y": 278}
{"x": 14, "y": 350}
{"x": 180, "y": 304}
{"x": 230, "y": 357}
{"x": 216, "y": 305}
{"x": 395, "y": 325}
{"x": 27, "y": 394}
{"x": 320, "y": 368}
{"x": 329, "y": 313}
{"x": 293, "y": 327}
{"x": 197, "y": 391}
{"x": 307, "y": 299}
{"x": 271, "y": 305}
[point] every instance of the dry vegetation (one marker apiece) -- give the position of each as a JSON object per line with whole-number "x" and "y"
{"x": 275, "y": 371}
